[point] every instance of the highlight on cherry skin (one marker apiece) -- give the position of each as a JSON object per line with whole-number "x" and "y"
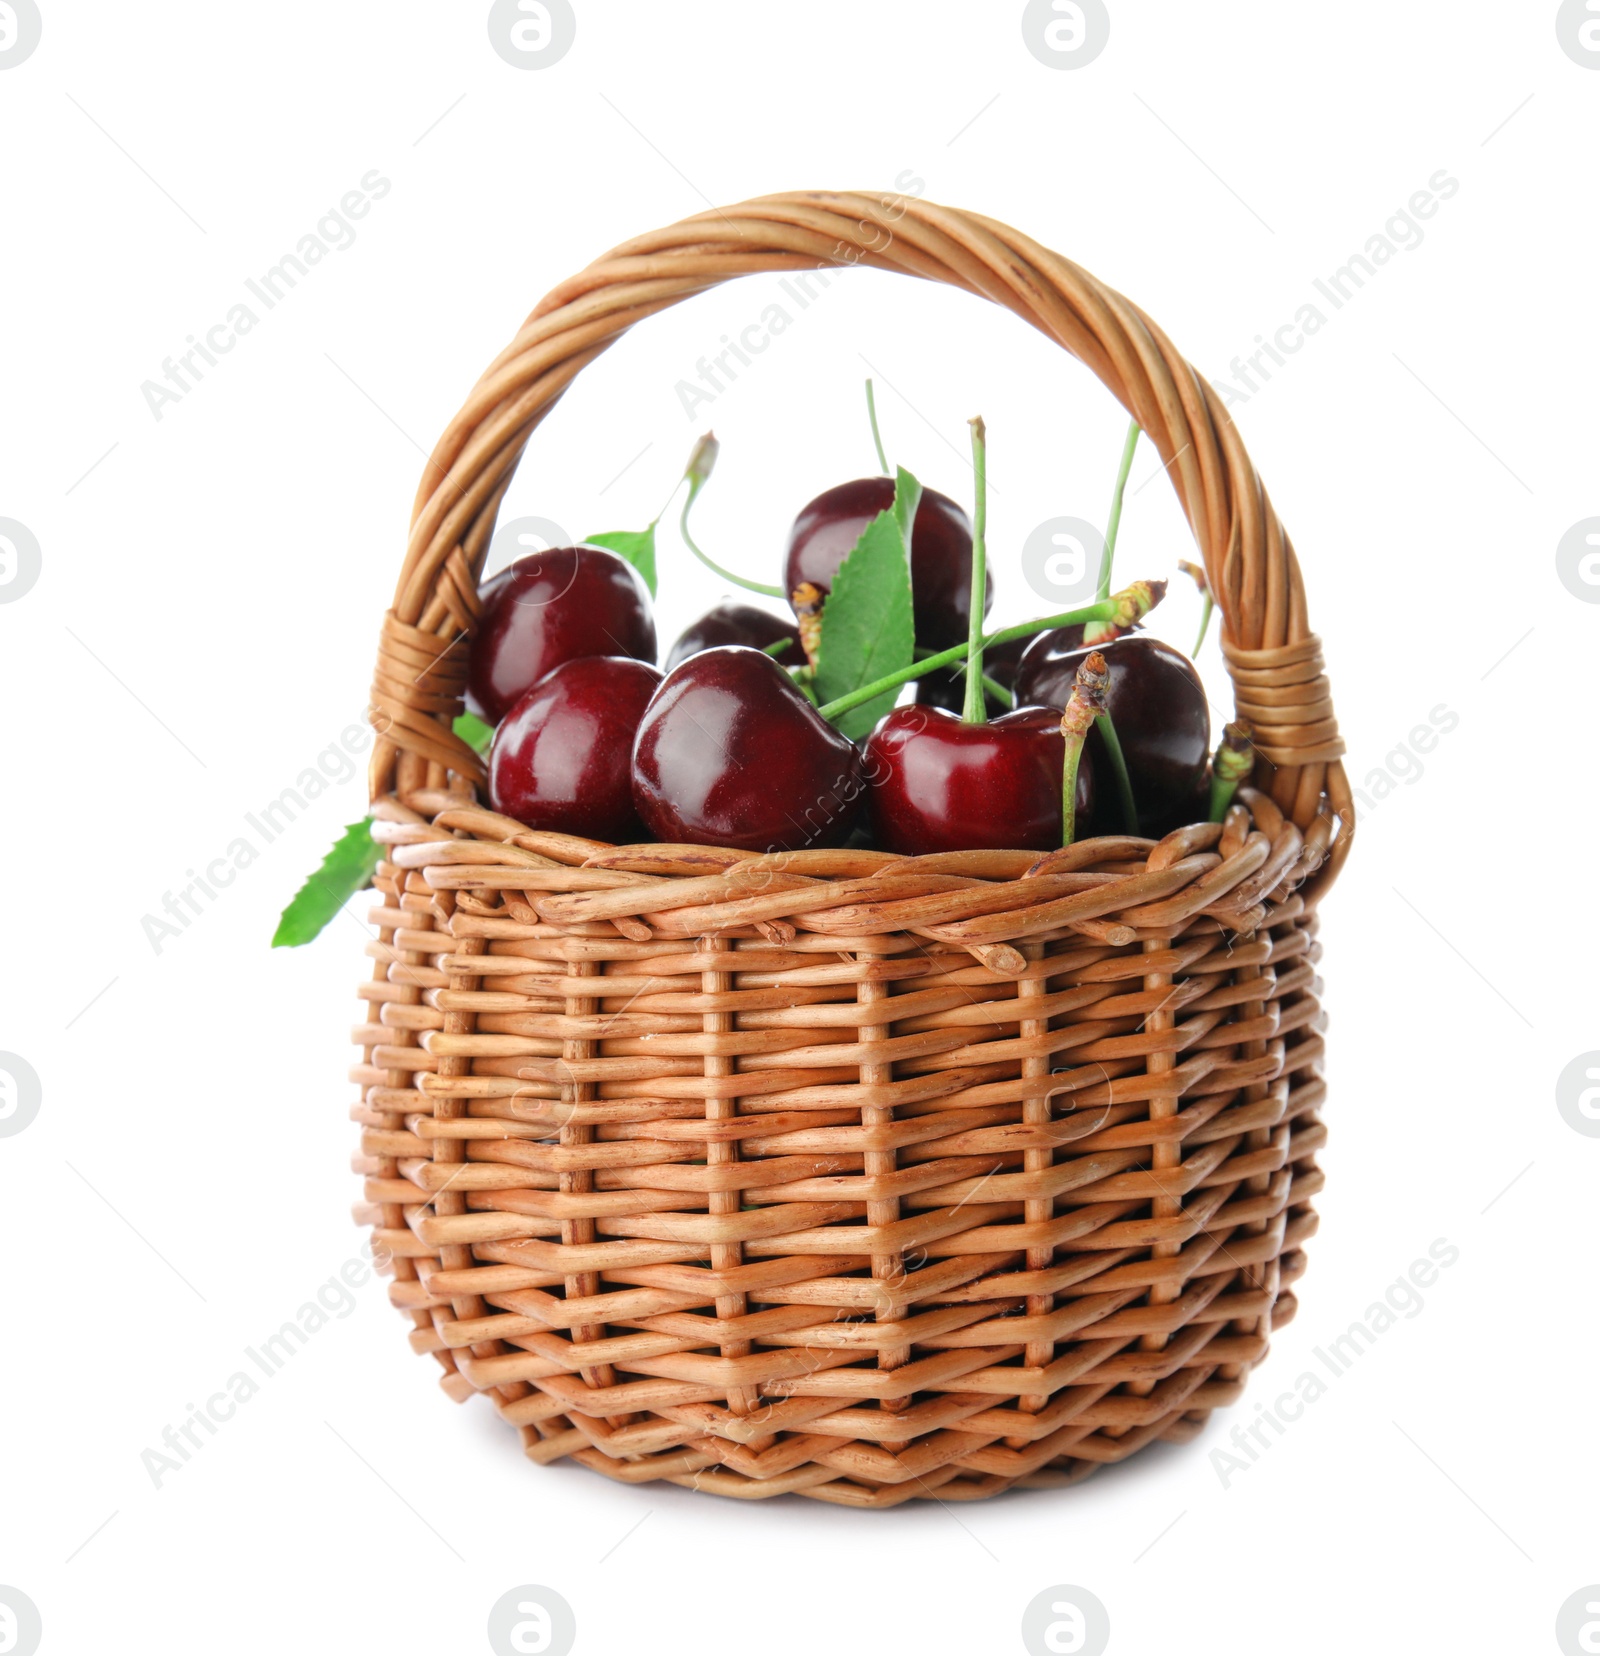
{"x": 731, "y": 753}
{"x": 551, "y": 607}
{"x": 1156, "y": 703}
{"x": 940, "y": 784}
{"x": 562, "y": 758}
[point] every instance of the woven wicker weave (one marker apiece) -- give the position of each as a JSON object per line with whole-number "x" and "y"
{"x": 835, "y": 1173}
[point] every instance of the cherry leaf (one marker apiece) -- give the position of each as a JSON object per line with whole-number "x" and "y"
{"x": 474, "y": 732}
{"x": 638, "y": 546}
{"x": 347, "y": 869}
{"x": 867, "y": 625}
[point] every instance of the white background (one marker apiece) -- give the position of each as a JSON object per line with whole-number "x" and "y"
{"x": 222, "y": 571}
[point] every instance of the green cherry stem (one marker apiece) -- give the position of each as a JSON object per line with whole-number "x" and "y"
{"x": 994, "y": 688}
{"x": 991, "y": 687}
{"x": 1122, "y": 609}
{"x": 1234, "y": 760}
{"x": 1086, "y": 703}
{"x": 1119, "y": 772}
{"x": 1114, "y": 522}
{"x": 1128, "y": 605}
{"x": 697, "y": 471}
{"x": 877, "y": 441}
{"x": 974, "y": 711}
{"x": 805, "y": 681}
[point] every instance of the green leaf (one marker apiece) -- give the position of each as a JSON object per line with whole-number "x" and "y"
{"x": 907, "y": 497}
{"x": 867, "y": 627}
{"x": 474, "y": 732}
{"x": 638, "y": 546}
{"x": 347, "y": 869}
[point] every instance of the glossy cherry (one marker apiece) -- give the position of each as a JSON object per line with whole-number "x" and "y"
{"x": 941, "y": 552}
{"x": 562, "y": 758}
{"x": 936, "y": 784}
{"x": 1157, "y": 704}
{"x": 730, "y": 753}
{"x": 548, "y": 608}
{"x": 732, "y": 623}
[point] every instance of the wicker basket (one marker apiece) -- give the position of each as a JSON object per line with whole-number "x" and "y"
{"x": 835, "y": 1173}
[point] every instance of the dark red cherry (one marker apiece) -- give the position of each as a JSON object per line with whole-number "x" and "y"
{"x": 1156, "y": 702}
{"x": 739, "y": 624}
{"x": 550, "y": 607}
{"x": 941, "y": 552}
{"x": 730, "y": 753}
{"x": 562, "y": 758}
{"x": 936, "y": 784}
{"x": 1054, "y": 643}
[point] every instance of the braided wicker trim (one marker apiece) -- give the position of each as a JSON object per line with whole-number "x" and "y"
{"x": 839, "y": 1174}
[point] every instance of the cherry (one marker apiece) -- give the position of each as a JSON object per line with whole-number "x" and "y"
{"x": 730, "y": 753}
{"x": 562, "y": 758}
{"x": 941, "y": 552}
{"x": 1157, "y": 705}
{"x": 548, "y": 608}
{"x": 732, "y": 623}
{"x": 937, "y": 784}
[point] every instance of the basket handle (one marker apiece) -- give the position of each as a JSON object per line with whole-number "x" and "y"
{"x": 1273, "y": 658}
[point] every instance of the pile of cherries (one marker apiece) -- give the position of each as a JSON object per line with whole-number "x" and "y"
{"x": 725, "y": 745}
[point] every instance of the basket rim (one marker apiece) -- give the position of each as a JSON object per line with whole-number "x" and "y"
{"x": 1237, "y": 872}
